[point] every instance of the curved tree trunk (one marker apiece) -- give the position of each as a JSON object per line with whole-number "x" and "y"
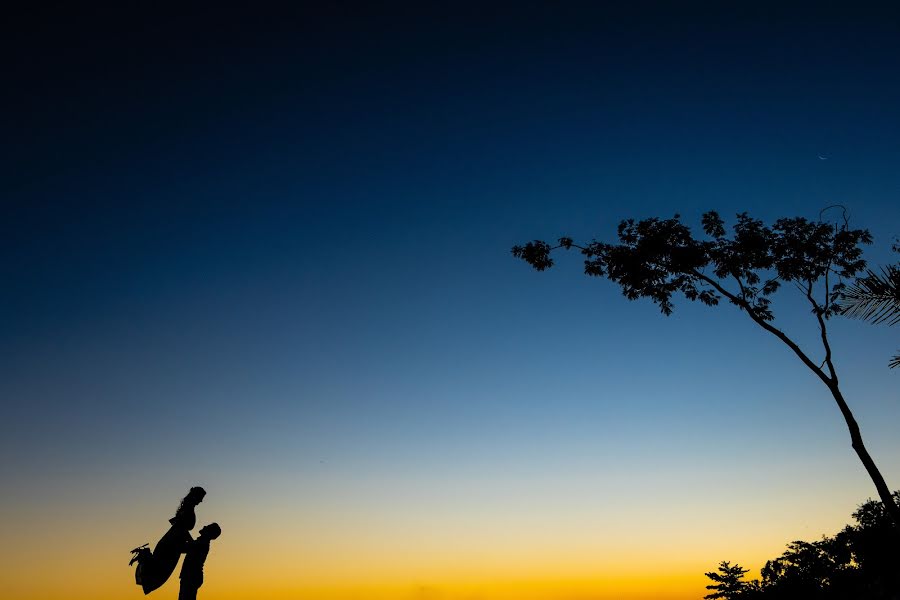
{"x": 857, "y": 443}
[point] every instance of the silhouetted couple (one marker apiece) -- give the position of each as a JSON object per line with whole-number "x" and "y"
{"x": 155, "y": 568}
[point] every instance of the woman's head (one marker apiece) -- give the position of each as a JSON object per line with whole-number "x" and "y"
{"x": 195, "y": 496}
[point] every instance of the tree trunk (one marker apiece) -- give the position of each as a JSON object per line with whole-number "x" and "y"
{"x": 857, "y": 443}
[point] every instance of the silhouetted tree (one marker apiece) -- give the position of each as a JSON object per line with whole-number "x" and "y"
{"x": 729, "y": 582}
{"x": 875, "y": 544}
{"x": 657, "y": 258}
{"x": 858, "y": 563}
{"x": 875, "y": 298}
{"x": 810, "y": 570}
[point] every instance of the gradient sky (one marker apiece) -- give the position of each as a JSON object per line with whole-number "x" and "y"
{"x": 269, "y": 254}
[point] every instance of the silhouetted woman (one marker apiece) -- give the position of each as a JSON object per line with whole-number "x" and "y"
{"x": 185, "y": 518}
{"x": 155, "y": 568}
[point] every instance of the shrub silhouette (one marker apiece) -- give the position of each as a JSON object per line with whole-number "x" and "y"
{"x": 860, "y": 562}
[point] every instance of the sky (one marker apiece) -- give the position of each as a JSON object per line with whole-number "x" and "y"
{"x": 267, "y": 253}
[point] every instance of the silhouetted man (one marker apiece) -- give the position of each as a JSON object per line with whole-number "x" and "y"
{"x": 194, "y": 556}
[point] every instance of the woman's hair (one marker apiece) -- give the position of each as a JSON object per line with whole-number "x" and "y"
{"x": 194, "y": 496}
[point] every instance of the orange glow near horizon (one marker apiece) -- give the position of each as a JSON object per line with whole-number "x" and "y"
{"x": 281, "y": 549}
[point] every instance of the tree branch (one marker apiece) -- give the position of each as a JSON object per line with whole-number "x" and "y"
{"x": 773, "y": 330}
{"x": 818, "y": 312}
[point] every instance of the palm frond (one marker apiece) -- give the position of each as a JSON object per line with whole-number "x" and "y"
{"x": 874, "y": 298}
{"x": 895, "y": 361}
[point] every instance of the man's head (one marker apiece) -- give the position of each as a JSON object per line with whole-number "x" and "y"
{"x": 211, "y": 531}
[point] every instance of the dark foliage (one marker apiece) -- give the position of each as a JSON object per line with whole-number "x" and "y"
{"x": 656, "y": 258}
{"x": 875, "y": 298}
{"x": 728, "y": 582}
{"x": 861, "y": 562}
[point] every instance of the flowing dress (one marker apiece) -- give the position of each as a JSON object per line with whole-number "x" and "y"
{"x": 157, "y": 570}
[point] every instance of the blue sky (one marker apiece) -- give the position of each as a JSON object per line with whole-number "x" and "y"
{"x": 235, "y": 247}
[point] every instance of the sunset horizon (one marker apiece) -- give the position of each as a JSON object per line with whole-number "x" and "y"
{"x": 286, "y": 255}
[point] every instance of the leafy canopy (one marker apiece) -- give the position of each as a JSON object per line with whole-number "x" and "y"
{"x": 656, "y": 258}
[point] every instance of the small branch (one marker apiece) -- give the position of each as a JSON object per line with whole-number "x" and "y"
{"x": 818, "y": 312}
{"x": 844, "y": 214}
{"x": 743, "y": 290}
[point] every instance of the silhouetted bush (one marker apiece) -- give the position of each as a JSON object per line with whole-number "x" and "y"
{"x": 860, "y": 562}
